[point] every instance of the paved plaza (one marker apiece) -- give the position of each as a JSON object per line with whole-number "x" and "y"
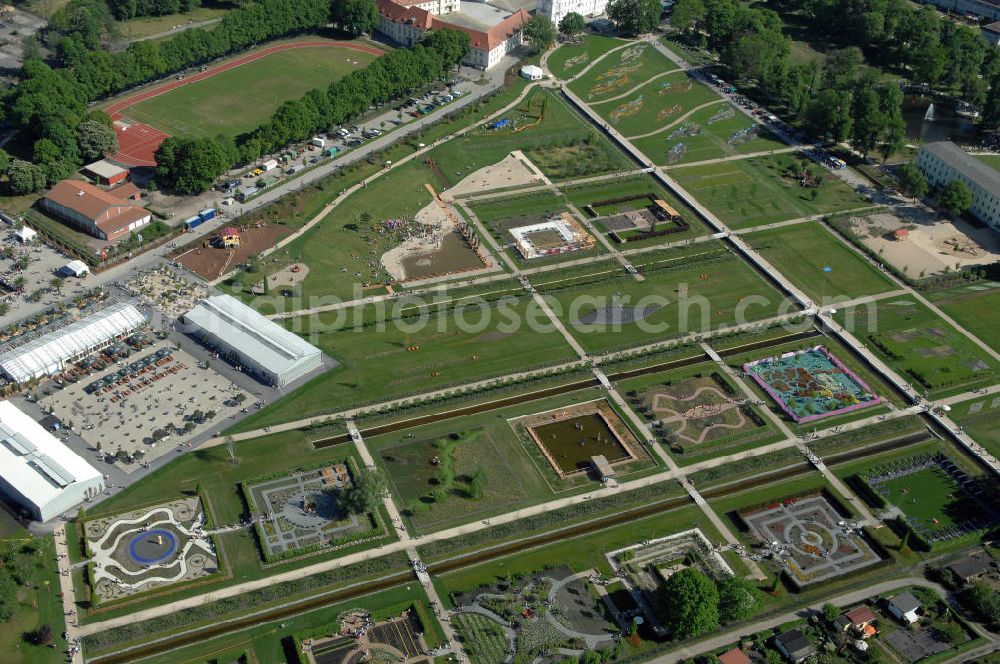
{"x": 149, "y": 548}
{"x": 131, "y": 413}
{"x": 810, "y": 539}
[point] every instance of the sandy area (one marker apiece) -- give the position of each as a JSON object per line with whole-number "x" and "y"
{"x": 514, "y": 171}
{"x": 932, "y": 246}
{"x": 440, "y": 225}
{"x": 287, "y": 277}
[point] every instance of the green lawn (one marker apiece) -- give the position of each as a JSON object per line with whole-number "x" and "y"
{"x": 589, "y": 49}
{"x": 554, "y": 136}
{"x": 378, "y": 365}
{"x": 980, "y": 417}
{"x": 716, "y": 282}
{"x": 818, "y": 263}
{"x": 620, "y": 72}
{"x": 266, "y": 642}
{"x": 720, "y": 134}
{"x": 976, "y": 308}
{"x": 920, "y": 346}
{"x": 514, "y": 472}
{"x": 930, "y": 496}
{"x": 991, "y": 160}
{"x": 240, "y": 99}
{"x": 153, "y": 25}
{"x": 750, "y": 192}
{"x": 656, "y": 104}
{"x": 38, "y": 604}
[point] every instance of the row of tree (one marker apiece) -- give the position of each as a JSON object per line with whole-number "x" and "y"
{"x": 190, "y": 165}
{"x": 125, "y": 10}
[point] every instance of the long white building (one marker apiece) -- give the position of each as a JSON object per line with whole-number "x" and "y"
{"x": 39, "y": 472}
{"x": 50, "y": 353}
{"x": 557, "y": 9}
{"x": 263, "y": 348}
{"x": 943, "y": 162}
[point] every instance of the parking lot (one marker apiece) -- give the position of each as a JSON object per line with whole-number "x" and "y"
{"x": 145, "y": 402}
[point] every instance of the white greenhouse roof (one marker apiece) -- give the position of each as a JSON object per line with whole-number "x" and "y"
{"x": 47, "y": 354}
{"x": 33, "y": 461}
{"x": 254, "y": 336}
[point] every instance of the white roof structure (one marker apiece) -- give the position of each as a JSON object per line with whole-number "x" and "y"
{"x": 49, "y": 353}
{"x": 532, "y": 72}
{"x": 257, "y": 340}
{"x": 37, "y": 468}
{"x": 76, "y": 268}
{"x": 25, "y": 234}
{"x": 104, "y": 169}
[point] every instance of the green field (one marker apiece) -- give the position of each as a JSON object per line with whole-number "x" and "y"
{"x": 716, "y": 281}
{"x": 620, "y": 72}
{"x": 37, "y": 604}
{"x": 270, "y": 641}
{"x": 818, "y": 263}
{"x": 717, "y": 137}
{"x": 589, "y": 49}
{"x": 930, "y": 496}
{"x": 378, "y": 365}
{"x": 661, "y": 102}
{"x": 238, "y": 100}
{"x": 153, "y": 25}
{"x": 976, "y": 308}
{"x": 980, "y": 417}
{"x": 543, "y": 125}
{"x": 751, "y": 192}
{"x": 920, "y": 346}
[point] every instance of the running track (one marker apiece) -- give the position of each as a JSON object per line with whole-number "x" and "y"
{"x": 138, "y": 142}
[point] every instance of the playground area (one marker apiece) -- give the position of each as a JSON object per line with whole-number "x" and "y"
{"x": 587, "y": 437}
{"x": 922, "y": 244}
{"x": 436, "y": 243}
{"x": 149, "y": 548}
{"x": 938, "y": 500}
{"x": 210, "y": 261}
{"x": 696, "y": 410}
{"x": 809, "y": 539}
{"x": 303, "y": 511}
{"x": 359, "y": 638}
{"x": 811, "y": 384}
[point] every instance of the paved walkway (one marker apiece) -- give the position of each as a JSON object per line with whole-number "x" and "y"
{"x": 68, "y": 595}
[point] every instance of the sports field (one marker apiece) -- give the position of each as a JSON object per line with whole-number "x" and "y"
{"x": 931, "y": 497}
{"x": 755, "y": 191}
{"x": 722, "y": 131}
{"x": 920, "y": 346}
{"x": 818, "y": 263}
{"x": 240, "y": 99}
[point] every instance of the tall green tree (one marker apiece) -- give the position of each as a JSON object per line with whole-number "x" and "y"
{"x": 572, "y": 24}
{"x": 635, "y": 17}
{"x": 956, "y": 197}
{"x": 367, "y": 492}
{"x": 739, "y": 599}
{"x": 355, "y": 17}
{"x": 95, "y": 140}
{"x": 687, "y": 14}
{"x": 539, "y": 32}
{"x": 24, "y": 177}
{"x": 691, "y": 604}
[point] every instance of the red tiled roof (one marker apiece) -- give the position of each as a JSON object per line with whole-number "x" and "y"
{"x": 105, "y": 210}
{"x": 126, "y": 191}
{"x": 860, "y": 615}
{"x": 734, "y": 656}
{"x": 229, "y": 230}
{"x": 424, "y": 20}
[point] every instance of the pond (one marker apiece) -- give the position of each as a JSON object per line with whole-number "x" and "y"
{"x": 572, "y": 442}
{"x": 927, "y": 121}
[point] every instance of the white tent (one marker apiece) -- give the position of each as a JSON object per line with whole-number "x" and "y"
{"x": 75, "y": 269}
{"x": 49, "y": 353}
{"x": 25, "y": 235}
{"x": 532, "y": 72}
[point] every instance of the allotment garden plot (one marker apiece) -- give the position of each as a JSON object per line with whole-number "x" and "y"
{"x": 149, "y": 548}
{"x": 809, "y": 539}
{"x": 921, "y": 346}
{"x": 938, "y": 501}
{"x": 811, "y": 384}
{"x": 305, "y": 511}
{"x": 359, "y": 637}
{"x": 762, "y": 190}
